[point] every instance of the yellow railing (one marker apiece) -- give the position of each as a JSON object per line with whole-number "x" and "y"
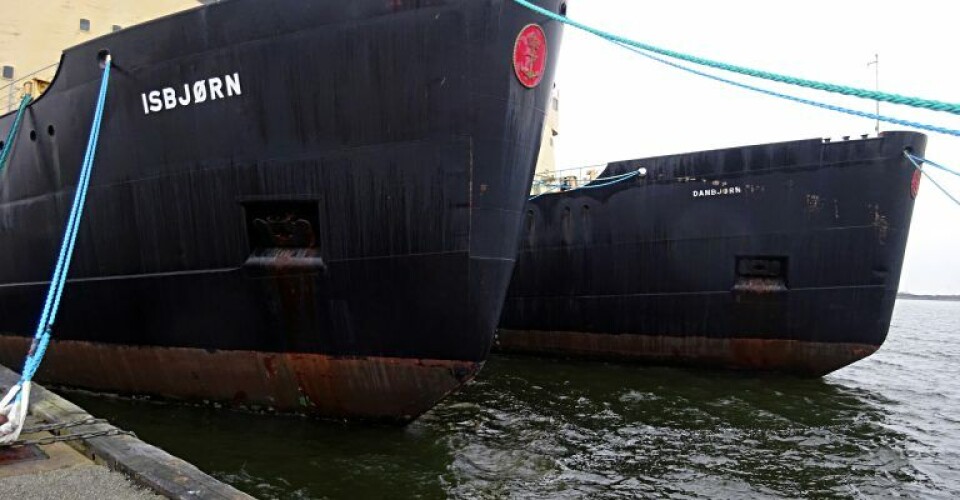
{"x": 33, "y": 84}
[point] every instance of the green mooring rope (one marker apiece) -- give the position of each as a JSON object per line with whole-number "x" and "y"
{"x": 873, "y": 95}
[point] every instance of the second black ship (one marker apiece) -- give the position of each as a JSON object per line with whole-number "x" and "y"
{"x": 783, "y": 257}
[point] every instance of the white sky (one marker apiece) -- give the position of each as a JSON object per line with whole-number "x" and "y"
{"x": 617, "y": 105}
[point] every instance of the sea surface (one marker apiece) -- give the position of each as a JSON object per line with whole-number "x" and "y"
{"x": 888, "y": 426}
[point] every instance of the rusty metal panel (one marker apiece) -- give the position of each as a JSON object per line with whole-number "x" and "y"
{"x": 810, "y": 359}
{"x": 376, "y": 388}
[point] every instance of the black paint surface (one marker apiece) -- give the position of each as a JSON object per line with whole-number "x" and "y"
{"x": 386, "y": 147}
{"x": 808, "y": 247}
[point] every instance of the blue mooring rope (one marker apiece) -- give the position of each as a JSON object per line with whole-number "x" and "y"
{"x": 41, "y": 338}
{"x": 808, "y": 102}
{"x": 915, "y": 102}
{"x": 647, "y": 51}
{"x": 12, "y": 134}
{"x": 933, "y": 164}
{"x": 596, "y": 183}
{"x": 919, "y": 160}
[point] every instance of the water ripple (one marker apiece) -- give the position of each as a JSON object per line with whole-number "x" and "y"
{"x": 887, "y": 426}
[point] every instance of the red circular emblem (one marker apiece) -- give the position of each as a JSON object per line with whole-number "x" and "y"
{"x": 530, "y": 55}
{"x": 915, "y": 184}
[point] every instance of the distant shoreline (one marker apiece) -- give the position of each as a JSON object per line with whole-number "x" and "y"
{"x": 910, "y": 296}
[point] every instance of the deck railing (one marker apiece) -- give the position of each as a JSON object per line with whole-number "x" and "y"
{"x": 564, "y": 179}
{"x": 11, "y": 93}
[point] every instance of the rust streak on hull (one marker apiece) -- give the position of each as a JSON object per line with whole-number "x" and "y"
{"x": 811, "y": 359}
{"x": 350, "y": 387}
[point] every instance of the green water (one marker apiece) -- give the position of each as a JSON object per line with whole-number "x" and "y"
{"x": 533, "y": 428}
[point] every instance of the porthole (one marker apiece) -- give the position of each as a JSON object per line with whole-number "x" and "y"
{"x": 51, "y": 131}
{"x": 33, "y": 135}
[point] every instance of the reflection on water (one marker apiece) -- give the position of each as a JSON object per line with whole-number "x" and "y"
{"x": 543, "y": 428}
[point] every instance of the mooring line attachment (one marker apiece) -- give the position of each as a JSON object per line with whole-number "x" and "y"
{"x": 63, "y": 425}
{"x": 16, "y": 403}
{"x": 918, "y": 162}
{"x": 70, "y": 437}
{"x": 931, "y": 163}
{"x": 594, "y": 184}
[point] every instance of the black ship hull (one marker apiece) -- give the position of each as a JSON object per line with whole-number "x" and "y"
{"x": 309, "y": 206}
{"x": 783, "y": 257}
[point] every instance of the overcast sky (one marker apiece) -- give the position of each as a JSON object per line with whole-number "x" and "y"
{"x": 617, "y": 105}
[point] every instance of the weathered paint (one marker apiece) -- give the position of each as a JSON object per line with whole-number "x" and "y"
{"x": 798, "y": 271}
{"x": 366, "y": 388}
{"x": 812, "y": 359}
{"x": 351, "y": 205}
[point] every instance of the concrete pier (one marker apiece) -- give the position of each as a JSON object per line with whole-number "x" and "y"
{"x": 113, "y": 464}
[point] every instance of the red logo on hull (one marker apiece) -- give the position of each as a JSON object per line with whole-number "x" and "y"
{"x": 530, "y": 55}
{"x": 915, "y": 184}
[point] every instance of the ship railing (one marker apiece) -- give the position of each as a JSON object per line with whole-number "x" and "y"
{"x": 565, "y": 179}
{"x": 31, "y": 84}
